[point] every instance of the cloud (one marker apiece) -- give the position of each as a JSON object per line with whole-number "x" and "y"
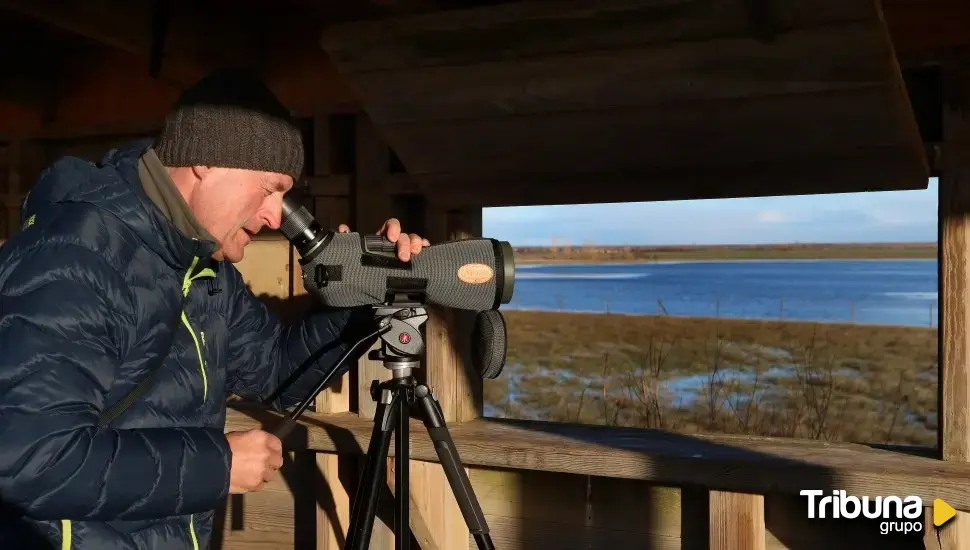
{"x": 772, "y": 216}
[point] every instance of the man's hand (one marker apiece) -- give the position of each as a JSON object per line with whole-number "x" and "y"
{"x": 256, "y": 455}
{"x": 408, "y": 244}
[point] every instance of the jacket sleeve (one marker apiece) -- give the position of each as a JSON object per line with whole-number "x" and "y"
{"x": 66, "y": 323}
{"x": 271, "y": 361}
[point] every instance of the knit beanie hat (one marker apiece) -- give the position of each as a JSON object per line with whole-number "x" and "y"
{"x": 231, "y": 119}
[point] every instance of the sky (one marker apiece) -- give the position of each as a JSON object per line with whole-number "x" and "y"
{"x": 886, "y": 216}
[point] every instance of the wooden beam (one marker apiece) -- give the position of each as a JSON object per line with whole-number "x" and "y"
{"x": 747, "y": 464}
{"x": 499, "y": 92}
{"x": 771, "y": 129}
{"x": 513, "y": 30}
{"x": 876, "y": 171}
{"x": 677, "y": 74}
{"x": 113, "y": 94}
{"x": 928, "y": 30}
{"x": 954, "y": 219}
{"x": 195, "y": 42}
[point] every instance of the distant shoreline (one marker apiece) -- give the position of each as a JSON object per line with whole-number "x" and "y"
{"x": 657, "y": 254}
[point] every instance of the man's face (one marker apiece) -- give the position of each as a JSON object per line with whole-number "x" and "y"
{"x": 235, "y": 204}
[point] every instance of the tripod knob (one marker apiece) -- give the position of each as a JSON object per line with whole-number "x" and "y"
{"x": 375, "y": 390}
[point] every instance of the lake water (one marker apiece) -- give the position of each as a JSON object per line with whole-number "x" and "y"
{"x": 898, "y": 292}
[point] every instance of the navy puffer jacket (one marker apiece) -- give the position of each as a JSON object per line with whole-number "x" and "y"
{"x": 92, "y": 291}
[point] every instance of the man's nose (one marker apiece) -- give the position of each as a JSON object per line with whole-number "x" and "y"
{"x": 274, "y": 212}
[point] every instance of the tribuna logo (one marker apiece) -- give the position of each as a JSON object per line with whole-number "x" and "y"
{"x": 900, "y": 515}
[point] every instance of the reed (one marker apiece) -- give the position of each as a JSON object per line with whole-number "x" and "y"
{"x": 847, "y": 382}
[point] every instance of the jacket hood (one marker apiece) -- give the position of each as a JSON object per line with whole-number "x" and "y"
{"x": 112, "y": 185}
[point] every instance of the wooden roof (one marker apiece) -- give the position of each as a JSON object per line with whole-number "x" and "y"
{"x": 539, "y": 102}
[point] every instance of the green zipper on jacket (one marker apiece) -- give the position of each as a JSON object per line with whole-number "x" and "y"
{"x": 65, "y": 534}
{"x": 186, "y": 284}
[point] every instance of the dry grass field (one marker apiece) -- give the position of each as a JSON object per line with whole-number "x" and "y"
{"x": 871, "y": 384}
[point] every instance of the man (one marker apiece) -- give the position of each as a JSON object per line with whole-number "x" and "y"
{"x": 126, "y": 265}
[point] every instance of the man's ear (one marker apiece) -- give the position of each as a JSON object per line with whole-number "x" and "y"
{"x": 200, "y": 172}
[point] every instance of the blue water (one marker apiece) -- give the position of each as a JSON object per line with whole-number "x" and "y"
{"x": 897, "y": 292}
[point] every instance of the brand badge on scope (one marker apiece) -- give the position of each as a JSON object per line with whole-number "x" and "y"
{"x": 475, "y": 274}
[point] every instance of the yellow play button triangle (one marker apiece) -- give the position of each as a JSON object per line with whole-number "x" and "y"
{"x": 942, "y": 512}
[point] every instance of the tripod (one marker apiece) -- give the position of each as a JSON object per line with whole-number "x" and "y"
{"x": 401, "y": 347}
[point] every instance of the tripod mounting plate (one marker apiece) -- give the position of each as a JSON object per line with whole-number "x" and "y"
{"x": 402, "y": 341}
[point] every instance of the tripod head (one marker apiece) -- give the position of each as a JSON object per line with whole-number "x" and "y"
{"x": 400, "y": 324}
{"x": 402, "y": 341}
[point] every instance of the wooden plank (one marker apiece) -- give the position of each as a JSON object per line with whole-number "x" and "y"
{"x": 878, "y": 171}
{"x": 777, "y": 128}
{"x": 329, "y": 186}
{"x": 525, "y": 29}
{"x": 13, "y": 168}
{"x": 330, "y": 212}
{"x": 322, "y": 146}
{"x": 954, "y": 222}
{"x": 800, "y": 62}
{"x": 755, "y": 465}
{"x": 928, "y": 30}
{"x": 529, "y": 509}
{"x": 122, "y": 25}
{"x": 737, "y": 520}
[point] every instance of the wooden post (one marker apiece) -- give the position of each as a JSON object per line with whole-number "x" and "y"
{"x": 737, "y": 520}
{"x": 450, "y": 372}
{"x": 332, "y": 524}
{"x": 436, "y": 519}
{"x": 12, "y": 193}
{"x": 954, "y": 220}
{"x": 371, "y": 206}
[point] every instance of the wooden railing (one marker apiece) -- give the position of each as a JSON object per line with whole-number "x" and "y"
{"x": 546, "y": 483}
{"x": 555, "y": 485}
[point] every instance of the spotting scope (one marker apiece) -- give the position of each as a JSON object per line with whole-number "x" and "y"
{"x": 354, "y": 269}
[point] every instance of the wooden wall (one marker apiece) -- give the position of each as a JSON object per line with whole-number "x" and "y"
{"x": 20, "y": 163}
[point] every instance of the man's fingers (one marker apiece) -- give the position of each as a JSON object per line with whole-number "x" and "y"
{"x": 404, "y": 247}
{"x": 268, "y": 475}
{"x": 391, "y": 229}
{"x": 274, "y": 443}
{"x": 416, "y": 243}
{"x": 343, "y": 228}
{"x": 275, "y": 462}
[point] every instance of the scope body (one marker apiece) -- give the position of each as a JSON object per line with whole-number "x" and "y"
{"x": 353, "y": 269}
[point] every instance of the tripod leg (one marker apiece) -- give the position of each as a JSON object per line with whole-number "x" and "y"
{"x": 402, "y": 521}
{"x": 369, "y": 489}
{"x": 454, "y": 471}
